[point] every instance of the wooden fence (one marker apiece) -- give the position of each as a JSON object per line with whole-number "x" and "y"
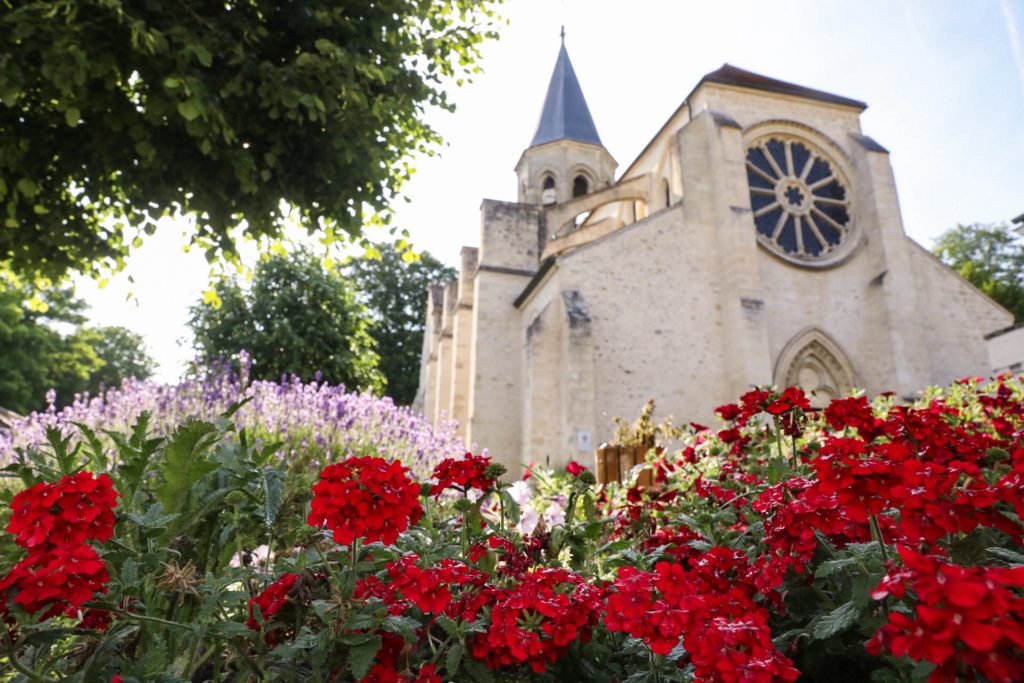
{"x": 613, "y": 463}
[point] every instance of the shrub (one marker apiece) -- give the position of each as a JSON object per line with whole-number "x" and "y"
{"x": 313, "y": 423}
{"x": 864, "y": 542}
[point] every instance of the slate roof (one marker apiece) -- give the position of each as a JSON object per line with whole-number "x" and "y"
{"x": 732, "y": 75}
{"x": 565, "y": 115}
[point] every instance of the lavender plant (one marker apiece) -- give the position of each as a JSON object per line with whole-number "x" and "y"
{"x": 314, "y": 422}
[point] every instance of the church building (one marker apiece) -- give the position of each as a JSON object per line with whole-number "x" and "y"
{"x": 755, "y": 240}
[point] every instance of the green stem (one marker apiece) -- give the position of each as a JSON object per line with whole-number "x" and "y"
{"x": 876, "y": 530}
{"x": 12, "y": 656}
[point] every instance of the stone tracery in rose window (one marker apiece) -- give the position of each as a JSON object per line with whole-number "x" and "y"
{"x": 799, "y": 199}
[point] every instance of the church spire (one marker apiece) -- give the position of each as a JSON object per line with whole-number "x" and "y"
{"x": 565, "y": 115}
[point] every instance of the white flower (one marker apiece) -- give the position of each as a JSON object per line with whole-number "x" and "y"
{"x": 520, "y": 492}
{"x": 528, "y": 520}
{"x": 554, "y": 514}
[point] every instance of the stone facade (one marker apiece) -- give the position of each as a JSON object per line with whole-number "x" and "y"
{"x": 586, "y": 298}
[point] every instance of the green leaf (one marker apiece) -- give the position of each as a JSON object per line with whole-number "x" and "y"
{"x": 453, "y": 659}
{"x": 449, "y": 625}
{"x": 403, "y": 626}
{"x": 72, "y": 116}
{"x": 28, "y": 187}
{"x": 273, "y": 494}
{"x": 830, "y": 567}
{"x": 360, "y": 657}
{"x": 836, "y": 621}
{"x": 1014, "y": 558}
{"x": 154, "y": 518}
{"x": 186, "y": 461}
{"x": 190, "y": 109}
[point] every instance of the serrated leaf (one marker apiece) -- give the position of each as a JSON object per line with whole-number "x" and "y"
{"x": 830, "y": 567}
{"x": 360, "y": 657}
{"x": 403, "y": 626}
{"x": 154, "y": 518}
{"x": 448, "y": 624}
{"x": 1014, "y": 558}
{"x": 186, "y": 461}
{"x": 836, "y": 621}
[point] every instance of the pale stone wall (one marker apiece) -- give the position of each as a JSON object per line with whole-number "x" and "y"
{"x": 1006, "y": 351}
{"x": 955, "y": 320}
{"x": 462, "y": 339}
{"x": 651, "y": 297}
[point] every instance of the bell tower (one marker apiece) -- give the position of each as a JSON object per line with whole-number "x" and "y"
{"x": 566, "y": 158}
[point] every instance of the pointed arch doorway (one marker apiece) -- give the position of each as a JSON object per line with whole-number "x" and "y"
{"x": 816, "y": 364}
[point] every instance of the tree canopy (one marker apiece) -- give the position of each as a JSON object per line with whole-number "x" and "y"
{"x": 296, "y": 317}
{"x": 991, "y": 258}
{"x": 35, "y": 356}
{"x": 244, "y": 114}
{"x": 394, "y": 290}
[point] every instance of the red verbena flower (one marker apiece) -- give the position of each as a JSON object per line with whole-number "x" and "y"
{"x": 574, "y": 468}
{"x": 468, "y": 472}
{"x": 271, "y": 600}
{"x": 965, "y": 619}
{"x": 365, "y": 497}
{"x": 59, "y": 580}
{"x": 71, "y": 511}
{"x": 790, "y": 399}
{"x": 536, "y": 620}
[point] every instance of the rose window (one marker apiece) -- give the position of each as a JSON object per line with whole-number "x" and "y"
{"x": 799, "y": 201}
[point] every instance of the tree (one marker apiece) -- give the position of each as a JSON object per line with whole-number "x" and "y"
{"x": 123, "y": 353}
{"x": 116, "y": 113}
{"x": 296, "y": 318}
{"x": 37, "y": 357}
{"x": 394, "y": 290}
{"x": 990, "y": 258}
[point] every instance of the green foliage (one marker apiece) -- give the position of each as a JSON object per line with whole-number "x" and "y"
{"x": 296, "y": 317}
{"x": 38, "y": 357}
{"x": 990, "y": 258}
{"x": 229, "y": 111}
{"x": 123, "y": 353}
{"x": 393, "y": 285}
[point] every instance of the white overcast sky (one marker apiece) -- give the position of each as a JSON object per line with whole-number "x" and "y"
{"x": 943, "y": 79}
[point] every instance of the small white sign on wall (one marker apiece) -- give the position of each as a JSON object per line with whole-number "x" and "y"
{"x": 584, "y": 441}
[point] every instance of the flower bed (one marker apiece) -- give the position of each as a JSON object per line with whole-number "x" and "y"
{"x": 313, "y": 423}
{"x": 865, "y": 542}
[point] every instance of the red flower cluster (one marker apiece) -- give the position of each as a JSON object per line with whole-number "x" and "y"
{"x": 707, "y": 605}
{"x": 365, "y": 497}
{"x": 792, "y": 398}
{"x": 58, "y": 580}
{"x": 429, "y": 589}
{"x": 537, "y": 619}
{"x": 53, "y": 520}
{"x": 76, "y": 509}
{"x": 385, "y": 669}
{"x": 271, "y": 600}
{"x": 470, "y": 472}
{"x": 965, "y": 621}
{"x": 574, "y": 468}
{"x": 855, "y": 413}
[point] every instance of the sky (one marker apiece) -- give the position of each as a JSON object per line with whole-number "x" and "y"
{"x": 944, "y": 83}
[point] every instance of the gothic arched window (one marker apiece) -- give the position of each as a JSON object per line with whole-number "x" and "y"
{"x": 799, "y": 198}
{"x": 580, "y": 186}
